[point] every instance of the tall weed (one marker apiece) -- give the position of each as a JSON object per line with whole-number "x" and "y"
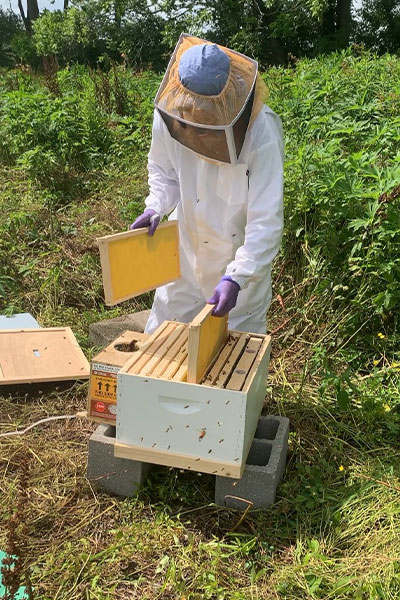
{"x": 341, "y": 119}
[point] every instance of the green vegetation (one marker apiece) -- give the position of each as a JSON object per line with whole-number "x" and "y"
{"x": 73, "y": 147}
{"x": 142, "y": 33}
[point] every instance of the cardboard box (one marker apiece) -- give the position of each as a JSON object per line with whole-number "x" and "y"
{"x": 102, "y": 397}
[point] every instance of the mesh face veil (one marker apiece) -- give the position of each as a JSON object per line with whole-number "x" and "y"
{"x": 213, "y": 123}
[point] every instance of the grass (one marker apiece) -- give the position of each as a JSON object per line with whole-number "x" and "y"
{"x": 334, "y": 531}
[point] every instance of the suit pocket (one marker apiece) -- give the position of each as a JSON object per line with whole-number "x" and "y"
{"x": 233, "y": 184}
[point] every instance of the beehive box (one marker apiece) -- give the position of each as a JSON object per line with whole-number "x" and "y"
{"x": 102, "y": 396}
{"x": 207, "y": 426}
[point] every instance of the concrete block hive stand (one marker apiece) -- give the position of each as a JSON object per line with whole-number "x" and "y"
{"x": 264, "y": 469}
{"x": 118, "y": 476}
{"x": 263, "y": 472}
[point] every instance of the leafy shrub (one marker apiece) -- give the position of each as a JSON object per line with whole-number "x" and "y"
{"x": 10, "y": 26}
{"x": 62, "y": 34}
{"x": 341, "y": 119}
{"x": 96, "y": 117}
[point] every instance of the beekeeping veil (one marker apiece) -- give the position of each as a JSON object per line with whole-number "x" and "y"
{"x": 207, "y": 98}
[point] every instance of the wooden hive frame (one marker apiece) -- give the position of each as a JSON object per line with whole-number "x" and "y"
{"x": 207, "y": 335}
{"x": 133, "y": 262}
{"x": 166, "y": 354}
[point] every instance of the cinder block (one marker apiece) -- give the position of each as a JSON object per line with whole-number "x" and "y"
{"x": 104, "y": 332}
{"x": 264, "y": 469}
{"x": 118, "y": 476}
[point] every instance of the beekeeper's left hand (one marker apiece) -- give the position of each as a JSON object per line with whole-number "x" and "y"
{"x": 224, "y": 296}
{"x": 149, "y": 219}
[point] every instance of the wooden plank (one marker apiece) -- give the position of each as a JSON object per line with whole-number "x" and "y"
{"x": 174, "y": 459}
{"x": 144, "y": 347}
{"x": 265, "y": 348}
{"x": 179, "y": 359}
{"x": 181, "y": 340}
{"x": 163, "y": 350}
{"x": 238, "y": 377}
{"x": 152, "y": 350}
{"x": 218, "y": 366}
{"x": 207, "y": 335}
{"x": 38, "y": 355}
{"x": 231, "y": 362}
{"x": 133, "y": 262}
{"x": 121, "y": 349}
{"x": 181, "y": 374}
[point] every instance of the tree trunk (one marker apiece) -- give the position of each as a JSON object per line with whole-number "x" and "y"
{"x": 276, "y": 47}
{"x": 343, "y": 22}
{"x": 23, "y": 17}
{"x": 32, "y": 13}
{"x": 328, "y": 26}
{"x": 66, "y": 3}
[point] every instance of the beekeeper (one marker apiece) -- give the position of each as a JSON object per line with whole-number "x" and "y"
{"x": 216, "y": 165}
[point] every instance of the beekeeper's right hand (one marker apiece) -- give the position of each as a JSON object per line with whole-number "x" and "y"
{"x": 149, "y": 218}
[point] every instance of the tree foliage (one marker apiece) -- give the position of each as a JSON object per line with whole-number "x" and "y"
{"x": 10, "y": 26}
{"x": 142, "y": 33}
{"x": 378, "y": 25}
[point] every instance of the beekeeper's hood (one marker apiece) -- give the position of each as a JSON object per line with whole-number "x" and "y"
{"x": 208, "y": 97}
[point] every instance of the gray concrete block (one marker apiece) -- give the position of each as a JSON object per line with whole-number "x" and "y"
{"x": 118, "y": 476}
{"x": 104, "y": 332}
{"x": 264, "y": 468}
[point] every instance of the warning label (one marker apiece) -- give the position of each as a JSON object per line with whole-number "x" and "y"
{"x": 103, "y": 386}
{"x": 105, "y": 410}
{"x": 99, "y": 368}
{"x": 103, "y": 392}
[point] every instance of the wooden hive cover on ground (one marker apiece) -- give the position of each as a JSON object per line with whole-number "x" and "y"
{"x": 37, "y": 355}
{"x": 133, "y": 262}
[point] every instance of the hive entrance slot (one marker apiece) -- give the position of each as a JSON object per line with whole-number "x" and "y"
{"x": 127, "y": 347}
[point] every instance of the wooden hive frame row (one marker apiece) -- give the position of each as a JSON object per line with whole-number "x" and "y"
{"x": 164, "y": 355}
{"x": 238, "y": 360}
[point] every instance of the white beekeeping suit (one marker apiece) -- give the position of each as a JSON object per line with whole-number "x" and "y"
{"x": 223, "y": 185}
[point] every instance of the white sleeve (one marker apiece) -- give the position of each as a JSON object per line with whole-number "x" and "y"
{"x": 164, "y": 192}
{"x": 263, "y": 233}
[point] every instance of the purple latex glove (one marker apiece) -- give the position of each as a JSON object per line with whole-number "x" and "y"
{"x": 149, "y": 219}
{"x": 224, "y": 296}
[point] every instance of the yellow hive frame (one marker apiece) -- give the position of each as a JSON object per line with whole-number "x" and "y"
{"x": 133, "y": 262}
{"x": 207, "y": 335}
